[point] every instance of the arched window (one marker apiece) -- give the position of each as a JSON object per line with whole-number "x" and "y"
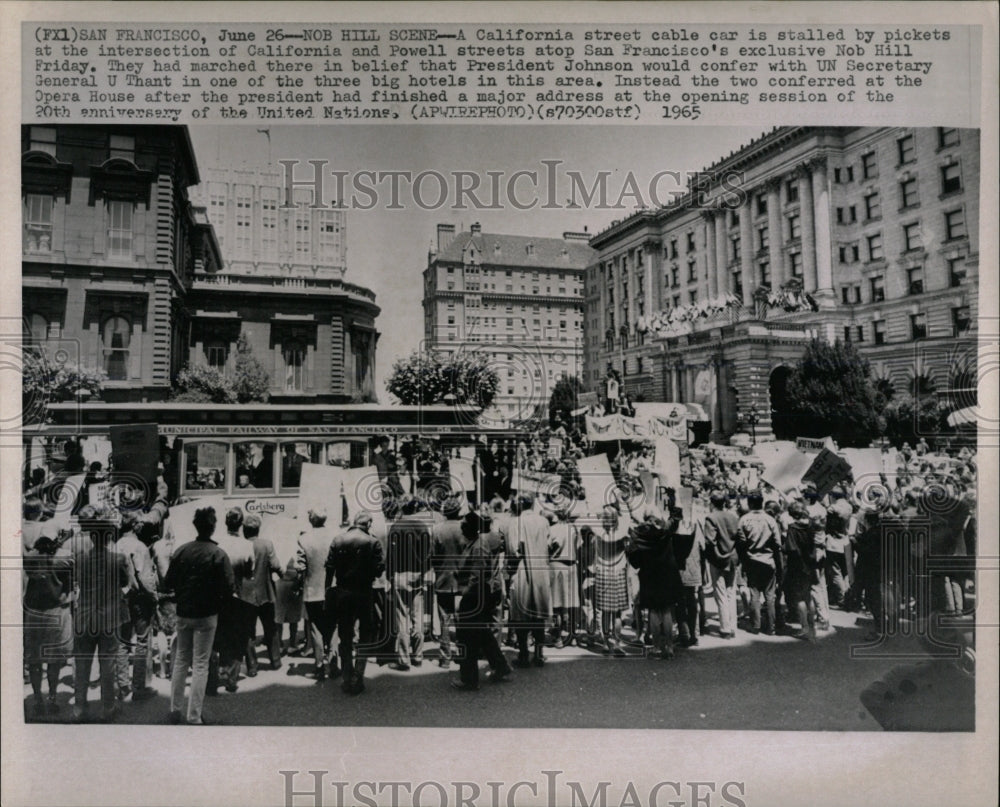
{"x": 36, "y": 329}
{"x": 116, "y": 336}
{"x": 294, "y": 354}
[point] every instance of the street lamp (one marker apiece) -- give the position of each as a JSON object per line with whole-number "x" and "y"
{"x": 753, "y": 418}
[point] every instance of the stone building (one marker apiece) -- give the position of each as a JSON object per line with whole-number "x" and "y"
{"x": 516, "y": 298}
{"x": 122, "y": 273}
{"x": 863, "y": 234}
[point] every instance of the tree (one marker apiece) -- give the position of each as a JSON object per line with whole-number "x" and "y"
{"x": 44, "y": 381}
{"x": 425, "y": 378}
{"x": 563, "y": 400}
{"x": 907, "y": 419}
{"x": 248, "y": 382}
{"x": 200, "y": 384}
{"x": 831, "y": 392}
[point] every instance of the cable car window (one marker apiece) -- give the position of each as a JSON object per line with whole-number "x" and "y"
{"x": 254, "y": 465}
{"x": 293, "y": 455}
{"x": 205, "y": 466}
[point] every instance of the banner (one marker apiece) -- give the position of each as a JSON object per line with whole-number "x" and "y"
{"x": 619, "y": 427}
{"x": 826, "y": 470}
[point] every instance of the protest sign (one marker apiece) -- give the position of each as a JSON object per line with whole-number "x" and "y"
{"x": 462, "y": 474}
{"x": 535, "y": 483}
{"x": 826, "y": 470}
{"x": 668, "y": 464}
{"x": 783, "y": 471}
{"x": 136, "y": 454}
{"x": 320, "y": 490}
{"x": 182, "y": 517}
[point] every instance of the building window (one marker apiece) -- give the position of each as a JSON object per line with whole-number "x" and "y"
{"x": 115, "y": 338}
{"x": 673, "y": 248}
{"x": 873, "y": 206}
{"x": 905, "y": 149}
{"x": 763, "y": 237}
{"x": 859, "y": 333}
{"x": 674, "y": 277}
{"x": 951, "y": 178}
{"x": 956, "y": 271}
{"x": 961, "y": 320}
{"x": 878, "y": 331}
{"x": 796, "y": 261}
{"x": 42, "y": 138}
{"x": 120, "y": 229}
{"x": 908, "y": 194}
{"x": 738, "y": 284}
{"x": 765, "y": 273}
{"x": 911, "y": 236}
{"x": 918, "y": 326}
{"x": 915, "y": 280}
{"x": 216, "y": 353}
{"x": 693, "y": 296}
{"x": 676, "y": 301}
{"x": 947, "y": 137}
{"x": 844, "y": 291}
{"x": 690, "y": 242}
{"x": 869, "y": 169}
{"x": 37, "y": 235}
{"x": 122, "y": 147}
{"x": 875, "y": 247}
{"x": 878, "y": 289}
{"x": 294, "y": 355}
{"x": 761, "y": 204}
{"x": 794, "y": 228}
{"x": 954, "y": 223}
{"x": 843, "y": 175}
{"x": 736, "y": 249}
{"x": 792, "y": 191}
{"x": 847, "y": 333}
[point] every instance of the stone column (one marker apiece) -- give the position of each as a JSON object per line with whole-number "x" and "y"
{"x": 722, "y": 251}
{"x": 824, "y": 250}
{"x": 808, "y": 235}
{"x": 711, "y": 284}
{"x": 775, "y": 235}
{"x": 746, "y": 254}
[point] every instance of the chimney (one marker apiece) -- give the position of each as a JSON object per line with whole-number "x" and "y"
{"x": 445, "y": 234}
{"x": 570, "y": 236}
{"x": 476, "y": 228}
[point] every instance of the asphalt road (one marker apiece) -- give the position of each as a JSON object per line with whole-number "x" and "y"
{"x": 751, "y": 682}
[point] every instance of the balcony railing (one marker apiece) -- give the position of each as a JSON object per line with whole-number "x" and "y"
{"x": 294, "y": 284}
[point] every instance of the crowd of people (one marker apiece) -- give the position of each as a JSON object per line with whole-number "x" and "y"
{"x": 529, "y": 571}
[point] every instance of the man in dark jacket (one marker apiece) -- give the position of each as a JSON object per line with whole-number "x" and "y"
{"x": 480, "y": 592}
{"x": 651, "y": 552}
{"x": 355, "y": 560}
{"x": 201, "y": 579}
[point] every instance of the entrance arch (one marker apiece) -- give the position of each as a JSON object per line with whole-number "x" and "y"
{"x": 782, "y": 420}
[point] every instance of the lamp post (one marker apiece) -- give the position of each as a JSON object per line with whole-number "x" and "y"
{"x": 753, "y": 418}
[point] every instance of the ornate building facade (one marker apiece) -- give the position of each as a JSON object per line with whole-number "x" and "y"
{"x": 122, "y": 273}
{"x": 861, "y": 234}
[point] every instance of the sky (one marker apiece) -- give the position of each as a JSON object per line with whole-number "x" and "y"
{"x": 387, "y": 248}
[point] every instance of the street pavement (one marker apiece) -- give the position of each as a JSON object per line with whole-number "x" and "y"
{"x": 750, "y": 682}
